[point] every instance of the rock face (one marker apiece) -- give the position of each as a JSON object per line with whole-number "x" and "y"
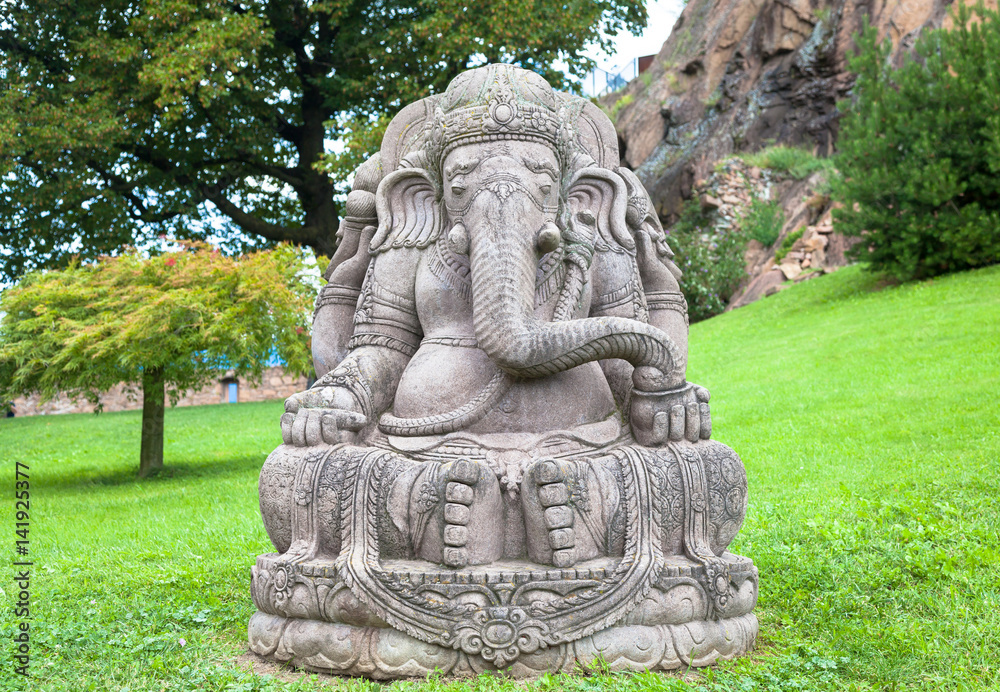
{"x": 503, "y": 466}
{"x": 737, "y": 74}
{"x": 806, "y": 245}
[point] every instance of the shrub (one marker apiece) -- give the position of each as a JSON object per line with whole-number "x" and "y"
{"x": 711, "y": 259}
{"x": 763, "y": 220}
{"x": 787, "y": 243}
{"x": 920, "y": 151}
{"x": 619, "y": 104}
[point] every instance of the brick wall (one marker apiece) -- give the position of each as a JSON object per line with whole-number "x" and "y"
{"x": 274, "y": 384}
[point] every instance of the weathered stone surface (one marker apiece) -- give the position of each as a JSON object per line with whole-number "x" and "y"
{"x": 791, "y": 270}
{"x": 710, "y": 202}
{"x": 734, "y": 74}
{"x": 759, "y": 287}
{"x": 503, "y": 466}
{"x": 387, "y": 654}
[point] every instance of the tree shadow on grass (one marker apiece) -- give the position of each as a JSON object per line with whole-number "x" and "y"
{"x": 172, "y": 473}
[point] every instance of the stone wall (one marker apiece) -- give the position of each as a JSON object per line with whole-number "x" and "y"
{"x": 275, "y": 384}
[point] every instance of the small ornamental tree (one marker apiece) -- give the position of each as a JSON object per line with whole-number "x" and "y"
{"x": 165, "y": 324}
{"x": 920, "y": 151}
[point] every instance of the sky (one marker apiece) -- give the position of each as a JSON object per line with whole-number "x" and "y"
{"x": 662, "y": 15}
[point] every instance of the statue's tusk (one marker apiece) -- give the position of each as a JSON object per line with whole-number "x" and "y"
{"x": 549, "y": 238}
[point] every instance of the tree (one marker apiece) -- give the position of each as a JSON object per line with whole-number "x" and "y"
{"x": 166, "y": 324}
{"x": 126, "y": 119}
{"x": 920, "y": 151}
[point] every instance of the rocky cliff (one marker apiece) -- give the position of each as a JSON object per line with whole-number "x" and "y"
{"x": 735, "y": 75}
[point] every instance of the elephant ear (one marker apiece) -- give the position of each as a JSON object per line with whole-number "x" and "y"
{"x": 409, "y": 213}
{"x": 602, "y": 193}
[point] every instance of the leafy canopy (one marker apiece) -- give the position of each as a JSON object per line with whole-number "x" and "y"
{"x": 187, "y": 315}
{"x": 124, "y": 119}
{"x": 920, "y": 151}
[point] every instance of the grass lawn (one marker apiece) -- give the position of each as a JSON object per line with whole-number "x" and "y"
{"x": 869, "y": 421}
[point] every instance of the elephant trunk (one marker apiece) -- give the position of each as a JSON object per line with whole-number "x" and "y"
{"x": 502, "y": 226}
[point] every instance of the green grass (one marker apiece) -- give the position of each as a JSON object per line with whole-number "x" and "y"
{"x": 796, "y": 162}
{"x": 868, "y": 421}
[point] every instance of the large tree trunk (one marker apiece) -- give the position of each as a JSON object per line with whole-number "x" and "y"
{"x": 153, "y": 400}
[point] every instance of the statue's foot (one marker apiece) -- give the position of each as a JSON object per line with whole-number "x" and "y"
{"x": 472, "y": 506}
{"x": 462, "y": 477}
{"x": 449, "y": 512}
{"x": 548, "y": 516}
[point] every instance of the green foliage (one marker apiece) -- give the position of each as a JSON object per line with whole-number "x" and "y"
{"x": 673, "y": 83}
{"x": 121, "y": 120}
{"x": 874, "y": 576}
{"x": 787, "y": 243}
{"x": 920, "y": 151}
{"x": 617, "y": 106}
{"x": 798, "y": 163}
{"x": 361, "y": 136}
{"x": 710, "y": 258}
{"x": 763, "y": 220}
{"x": 187, "y": 314}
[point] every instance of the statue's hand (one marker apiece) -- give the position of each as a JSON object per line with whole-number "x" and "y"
{"x": 322, "y": 415}
{"x": 672, "y": 415}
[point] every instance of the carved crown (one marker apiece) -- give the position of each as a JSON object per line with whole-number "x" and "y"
{"x": 494, "y": 103}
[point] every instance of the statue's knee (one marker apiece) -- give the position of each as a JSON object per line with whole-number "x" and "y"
{"x": 301, "y": 480}
{"x": 720, "y": 478}
{"x": 277, "y": 487}
{"x": 726, "y": 479}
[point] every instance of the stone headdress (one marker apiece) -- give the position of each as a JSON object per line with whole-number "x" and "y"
{"x": 495, "y": 103}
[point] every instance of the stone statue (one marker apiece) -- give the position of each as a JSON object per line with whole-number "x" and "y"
{"x": 501, "y": 465}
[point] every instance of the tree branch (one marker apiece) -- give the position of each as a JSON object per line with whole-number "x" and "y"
{"x": 284, "y": 174}
{"x": 140, "y": 212}
{"x": 251, "y": 224}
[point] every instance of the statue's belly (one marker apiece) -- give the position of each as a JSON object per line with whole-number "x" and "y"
{"x": 441, "y": 378}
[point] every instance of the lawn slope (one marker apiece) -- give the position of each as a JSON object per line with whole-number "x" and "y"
{"x": 868, "y": 421}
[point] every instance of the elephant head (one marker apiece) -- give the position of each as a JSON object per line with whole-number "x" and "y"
{"x": 502, "y": 169}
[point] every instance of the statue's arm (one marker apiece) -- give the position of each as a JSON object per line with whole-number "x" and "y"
{"x": 335, "y": 304}
{"x": 644, "y": 287}
{"x": 615, "y": 294}
{"x": 665, "y": 304}
{"x": 387, "y": 332}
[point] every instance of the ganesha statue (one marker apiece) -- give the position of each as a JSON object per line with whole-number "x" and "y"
{"x": 501, "y": 466}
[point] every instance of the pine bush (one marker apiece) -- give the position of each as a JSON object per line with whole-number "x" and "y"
{"x": 920, "y": 151}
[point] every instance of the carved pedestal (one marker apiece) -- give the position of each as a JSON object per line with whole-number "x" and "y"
{"x": 656, "y": 589}
{"x": 669, "y": 628}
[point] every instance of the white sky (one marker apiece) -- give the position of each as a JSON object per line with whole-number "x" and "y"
{"x": 662, "y": 15}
